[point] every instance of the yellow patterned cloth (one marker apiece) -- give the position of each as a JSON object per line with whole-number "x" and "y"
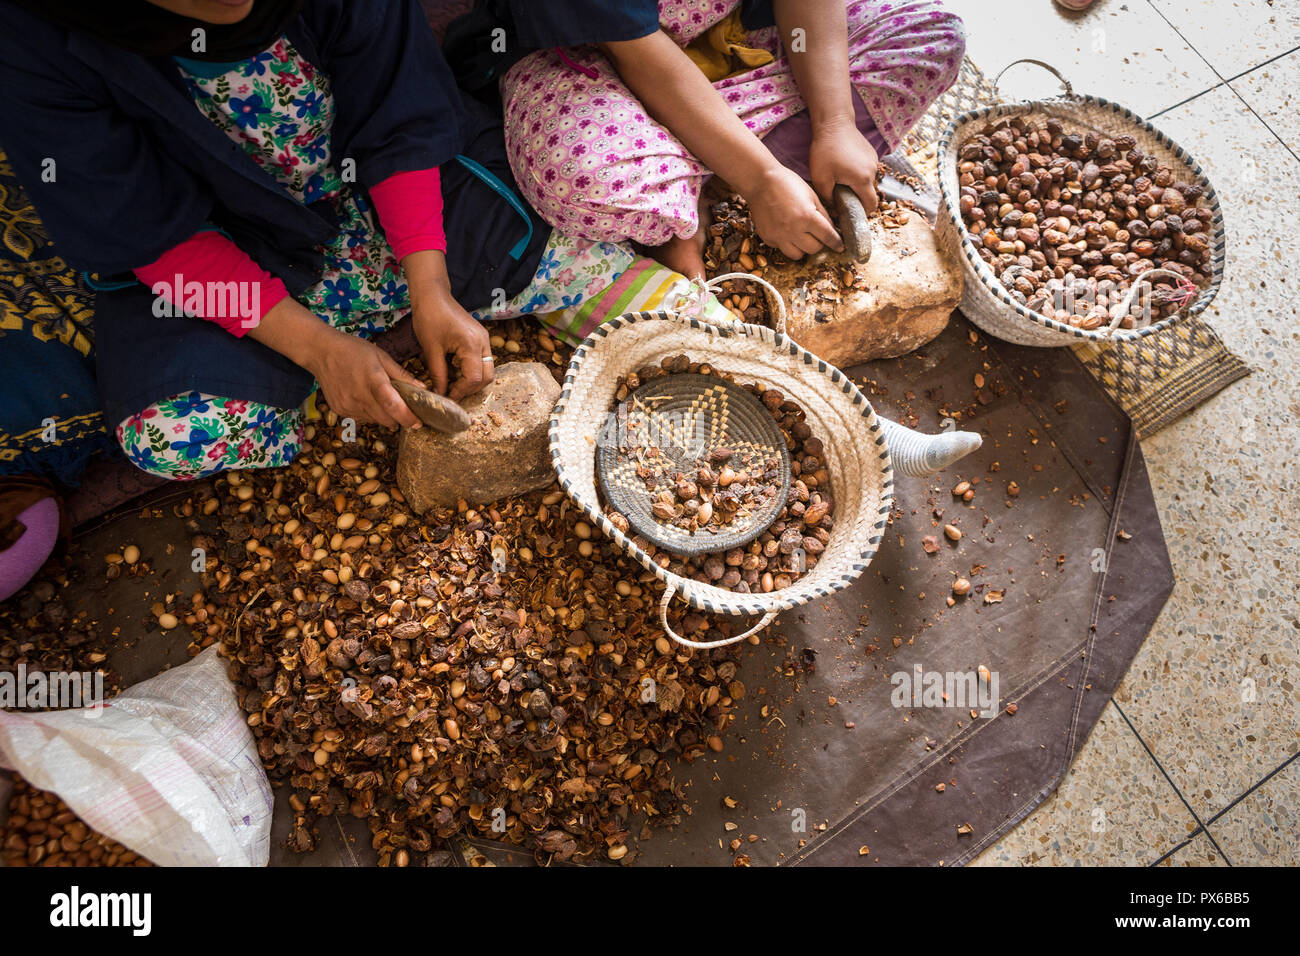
{"x": 1156, "y": 379}
{"x": 50, "y": 422}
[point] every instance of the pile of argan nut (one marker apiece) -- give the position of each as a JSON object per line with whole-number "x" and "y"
{"x": 791, "y": 545}
{"x": 495, "y": 671}
{"x": 1070, "y": 220}
{"x": 42, "y": 831}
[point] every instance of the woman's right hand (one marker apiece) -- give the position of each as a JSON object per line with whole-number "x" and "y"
{"x": 354, "y": 373}
{"x": 788, "y": 215}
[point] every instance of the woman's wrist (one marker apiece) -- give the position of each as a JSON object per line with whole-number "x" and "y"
{"x": 833, "y": 124}
{"x": 429, "y": 285}
{"x": 293, "y": 331}
{"x": 755, "y": 174}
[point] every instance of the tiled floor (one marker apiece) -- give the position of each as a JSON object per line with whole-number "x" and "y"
{"x": 1191, "y": 764}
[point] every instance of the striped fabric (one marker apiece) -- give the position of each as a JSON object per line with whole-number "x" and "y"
{"x": 642, "y": 287}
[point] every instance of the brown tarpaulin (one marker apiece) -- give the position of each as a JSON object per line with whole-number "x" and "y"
{"x": 1059, "y": 641}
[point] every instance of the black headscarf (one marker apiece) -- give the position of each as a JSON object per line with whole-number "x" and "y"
{"x": 143, "y": 28}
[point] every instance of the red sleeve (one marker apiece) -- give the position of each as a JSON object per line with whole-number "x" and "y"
{"x": 410, "y": 210}
{"x": 216, "y": 280}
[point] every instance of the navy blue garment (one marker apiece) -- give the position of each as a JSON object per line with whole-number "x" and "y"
{"x": 136, "y": 169}
{"x": 484, "y": 43}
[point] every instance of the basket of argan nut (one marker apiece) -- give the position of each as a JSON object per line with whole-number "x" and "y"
{"x": 746, "y": 473}
{"x": 1077, "y": 220}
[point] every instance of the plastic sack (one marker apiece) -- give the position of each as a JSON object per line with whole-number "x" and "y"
{"x": 168, "y": 768}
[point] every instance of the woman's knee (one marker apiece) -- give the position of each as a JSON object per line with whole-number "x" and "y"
{"x": 589, "y": 158}
{"x": 195, "y": 435}
{"x": 949, "y": 43}
{"x": 923, "y": 22}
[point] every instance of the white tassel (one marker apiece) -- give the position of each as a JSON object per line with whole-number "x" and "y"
{"x": 916, "y": 455}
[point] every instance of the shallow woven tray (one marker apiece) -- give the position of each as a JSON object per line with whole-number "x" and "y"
{"x": 690, "y": 415}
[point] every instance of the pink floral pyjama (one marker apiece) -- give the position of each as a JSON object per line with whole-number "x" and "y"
{"x": 591, "y": 161}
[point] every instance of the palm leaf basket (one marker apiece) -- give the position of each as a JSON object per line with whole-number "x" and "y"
{"x": 856, "y": 440}
{"x": 986, "y": 301}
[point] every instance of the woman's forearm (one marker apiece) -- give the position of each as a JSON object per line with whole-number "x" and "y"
{"x": 290, "y": 329}
{"x": 427, "y": 278}
{"x": 815, "y": 35}
{"x": 678, "y": 95}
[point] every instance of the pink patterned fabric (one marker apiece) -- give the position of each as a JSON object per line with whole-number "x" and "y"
{"x": 594, "y": 165}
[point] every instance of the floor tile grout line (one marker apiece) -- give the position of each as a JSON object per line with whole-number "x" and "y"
{"x": 1263, "y": 122}
{"x": 1165, "y": 774}
{"x": 1257, "y": 66}
{"x": 1184, "y": 102}
{"x": 1192, "y": 836}
{"x": 1265, "y": 779}
{"x": 1224, "y": 81}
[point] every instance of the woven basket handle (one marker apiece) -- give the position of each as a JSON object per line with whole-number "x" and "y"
{"x": 1133, "y": 293}
{"x": 671, "y": 590}
{"x": 1069, "y": 88}
{"x": 774, "y": 297}
{"x": 691, "y": 306}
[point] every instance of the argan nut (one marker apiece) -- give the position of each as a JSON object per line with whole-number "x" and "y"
{"x": 131, "y": 554}
{"x": 961, "y": 587}
{"x": 952, "y": 532}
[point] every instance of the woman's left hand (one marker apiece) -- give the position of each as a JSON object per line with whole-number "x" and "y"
{"x": 843, "y": 155}
{"x": 444, "y": 328}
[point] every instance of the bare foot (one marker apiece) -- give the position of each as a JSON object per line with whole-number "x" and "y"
{"x": 681, "y": 255}
{"x": 686, "y": 255}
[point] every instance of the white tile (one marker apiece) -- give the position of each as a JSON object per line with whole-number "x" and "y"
{"x": 1199, "y": 852}
{"x": 1125, "y": 52}
{"x": 1215, "y": 690}
{"x": 1273, "y": 91}
{"x": 1114, "y": 808}
{"x": 1262, "y": 830}
{"x": 1235, "y": 35}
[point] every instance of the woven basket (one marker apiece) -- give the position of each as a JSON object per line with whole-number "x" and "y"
{"x": 985, "y": 301}
{"x": 857, "y": 455}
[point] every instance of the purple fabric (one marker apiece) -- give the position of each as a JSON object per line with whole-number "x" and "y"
{"x": 790, "y": 140}
{"x": 21, "y": 560}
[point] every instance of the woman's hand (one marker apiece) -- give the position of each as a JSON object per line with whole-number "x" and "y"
{"x": 444, "y": 328}
{"x": 354, "y": 373}
{"x": 841, "y": 154}
{"x": 788, "y": 215}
